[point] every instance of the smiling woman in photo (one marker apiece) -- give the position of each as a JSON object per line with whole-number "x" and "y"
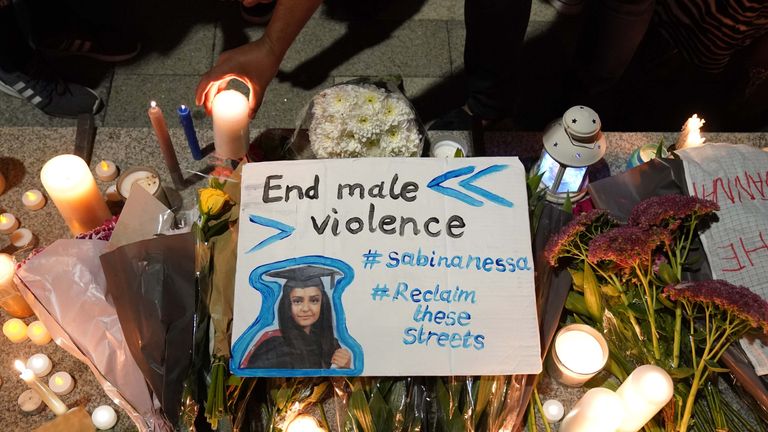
{"x": 305, "y": 338}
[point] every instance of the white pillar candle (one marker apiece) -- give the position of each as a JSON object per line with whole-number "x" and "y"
{"x": 599, "y": 410}
{"x": 61, "y": 383}
{"x": 73, "y": 190}
{"x": 579, "y": 352}
{"x": 104, "y": 417}
{"x": 45, "y": 393}
{"x": 230, "y": 124}
{"x": 106, "y": 171}
{"x": 644, "y": 393}
{"x": 33, "y": 199}
{"x": 29, "y": 401}
{"x": 38, "y": 333}
{"x": 21, "y": 238}
{"x": 40, "y": 364}
{"x": 8, "y": 223}
{"x": 553, "y": 410}
{"x": 304, "y": 423}
{"x": 15, "y": 330}
{"x": 10, "y": 299}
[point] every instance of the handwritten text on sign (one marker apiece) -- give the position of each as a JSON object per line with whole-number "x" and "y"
{"x": 384, "y": 267}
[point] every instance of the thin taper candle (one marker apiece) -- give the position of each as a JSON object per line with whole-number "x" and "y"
{"x": 46, "y": 394}
{"x": 166, "y": 147}
{"x": 185, "y": 118}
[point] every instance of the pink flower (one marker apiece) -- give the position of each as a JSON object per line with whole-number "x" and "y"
{"x": 626, "y": 246}
{"x": 581, "y": 228}
{"x": 669, "y": 211}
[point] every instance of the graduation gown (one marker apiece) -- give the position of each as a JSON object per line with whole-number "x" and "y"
{"x": 275, "y": 353}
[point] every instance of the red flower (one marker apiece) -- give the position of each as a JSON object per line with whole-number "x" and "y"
{"x": 669, "y": 211}
{"x": 626, "y": 246}
{"x": 567, "y": 239}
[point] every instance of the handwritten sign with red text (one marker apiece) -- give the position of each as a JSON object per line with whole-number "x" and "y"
{"x": 735, "y": 177}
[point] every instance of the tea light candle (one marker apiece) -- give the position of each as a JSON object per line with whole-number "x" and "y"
{"x": 553, "y": 410}
{"x": 15, "y": 330}
{"x": 644, "y": 393}
{"x": 104, "y": 417}
{"x": 106, "y": 171}
{"x": 33, "y": 199}
{"x": 61, "y": 383}
{"x": 40, "y": 364}
{"x": 448, "y": 149}
{"x": 73, "y": 190}
{"x": 599, "y": 410}
{"x": 304, "y": 423}
{"x": 45, "y": 393}
{"x": 38, "y": 333}
{"x": 230, "y": 124}
{"x": 8, "y": 223}
{"x": 21, "y": 238}
{"x": 29, "y": 401}
{"x": 578, "y": 354}
{"x": 145, "y": 177}
{"x": 10, "y": 299}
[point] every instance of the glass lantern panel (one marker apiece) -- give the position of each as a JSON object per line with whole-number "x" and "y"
{"x": 572, "y": 179}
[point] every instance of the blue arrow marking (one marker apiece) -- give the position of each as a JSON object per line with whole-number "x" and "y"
{"x": 283, "y": 231}
{"x": 492, "y": 197}
{"x": 436, "y": 185}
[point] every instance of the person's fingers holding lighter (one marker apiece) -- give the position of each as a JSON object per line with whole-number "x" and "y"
{"x": 342, "y": 358}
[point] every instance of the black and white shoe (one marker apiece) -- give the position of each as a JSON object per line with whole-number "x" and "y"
{"x": 53, "y": 97}
{"x": 260, "y": 13}
{"x": 107, "y": 47}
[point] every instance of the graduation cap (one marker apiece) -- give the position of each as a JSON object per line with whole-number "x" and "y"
{"x": 305, "y": 276}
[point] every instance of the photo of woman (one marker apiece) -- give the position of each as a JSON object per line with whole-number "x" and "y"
{"x": 305, "y": 338}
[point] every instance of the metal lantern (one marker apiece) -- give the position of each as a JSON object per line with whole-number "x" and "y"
{"x": 571, "y": 145}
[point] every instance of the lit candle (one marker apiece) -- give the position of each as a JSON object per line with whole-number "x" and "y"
{"x": 40, "y": 364}
{"x": 61, "y": 383}
{"x": 553, "y": 410}
{"x": 230, "y": 124}
{"x": 578, "y": 354}
{"x": 448, "y": 149}
{"x": 15, "y": 330}
{"x": 73, "y": 190}
{"x": 8, "y": 223}
{"x": 104, "y": 417}
{"x": 45, "y": 393}
{"x": 21, "y": 238}
{"x": 185, "y": 118}
{"x": 10, "y": 299}
{"x": 29, "y": 401}
{"x": 644, "y": 393}
{"x": 33, "y": 199}
{"x": 304, "y": 423}
{"x": 38, "y": 333}
{"x": 106, "y": 171}
{"x": 166, "y": 147}
{"x": 599, "y": 410}
{"x": 691, "y": 133}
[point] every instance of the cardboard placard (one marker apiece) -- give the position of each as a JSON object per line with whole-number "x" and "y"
{"x": 385, "y": 267}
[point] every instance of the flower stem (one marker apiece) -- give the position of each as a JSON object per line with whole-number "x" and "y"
{"x": 678, "y": 331}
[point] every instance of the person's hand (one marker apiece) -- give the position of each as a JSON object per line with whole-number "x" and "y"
{"x": 249, "y": 3}
{"x": 255, "y": 64}
{"x": 342, "y": 358}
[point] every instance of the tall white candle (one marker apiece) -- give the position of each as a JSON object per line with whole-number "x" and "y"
{"x": 10, "y": 299}
{"x": 45, "y": 393}
{"x": 599, "y": 410}
{"x": 644, "y": 393}
{"x": 73, "y": 190}
{"x": 230, "y": 124}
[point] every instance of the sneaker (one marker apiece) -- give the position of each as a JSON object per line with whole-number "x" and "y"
{"x": 260, "y": 13}
{"x": 567, "y": 7}
{"x": 53, "y": 97}
{"x": 107, "y": 47}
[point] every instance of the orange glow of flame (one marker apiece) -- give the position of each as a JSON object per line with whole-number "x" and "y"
{"x": 104, "y": 165}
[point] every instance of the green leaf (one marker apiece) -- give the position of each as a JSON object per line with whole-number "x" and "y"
{"x": 667, "y": 275}
{"x": 218, "y": 228}
{"x": 714, "y": 367}
{"x": 660, "y": 149}
{"x": 281, "y": 397}
{"x": 459, "y": 153}
{"x": 592, "y": 294}
{"x": 568, "y": 204}
{"x": 317, "y": 392}
{"x": 609, "y": 290}
{"x": 380, "y": 412}
{"x": 576, "y": 304}
{"x": 577, "y": 276}
{"x": 358, "y": 408}
{"x": 681, "y": 372}
{"x": 534, "y": 182}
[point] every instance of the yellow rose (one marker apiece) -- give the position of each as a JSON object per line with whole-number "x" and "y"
{"x": 213, "y": 201}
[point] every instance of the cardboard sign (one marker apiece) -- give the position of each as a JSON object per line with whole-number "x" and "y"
{"x": 385, "y": 267}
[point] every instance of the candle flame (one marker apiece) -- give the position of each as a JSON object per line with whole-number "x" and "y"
{"x": 58, "y": 380}
{"x": 691, "y": 132}
{"x": 30, "y": 195}
{"x": 183, "y": 107}
{"x": 19, "y": 365}
{"x": 104, "y": 165}
{"x": 153, "y": 104}
{"x": 2, "y": 218}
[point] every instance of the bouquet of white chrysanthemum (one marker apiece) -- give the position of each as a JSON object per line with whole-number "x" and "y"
{"x": 361, "y": 119}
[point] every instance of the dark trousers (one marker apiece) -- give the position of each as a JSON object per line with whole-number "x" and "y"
{"x": 495, "y": 34}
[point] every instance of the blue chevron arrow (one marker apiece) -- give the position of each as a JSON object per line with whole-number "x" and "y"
{"x": 283, "y": 231}
{"x": 436, "y": 184}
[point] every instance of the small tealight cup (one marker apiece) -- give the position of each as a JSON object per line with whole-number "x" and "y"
{"x": 553, "y": 410}
{"x": 104, "y": 417}
{"x": 38, "y": 333}
{"x": 40, "y": 364}
{"x": 8, "y": 223}
{"x": 578, "y": 353}
{"x": 106, "y": 171}
{"x": 61, "y": 383}
{"x": 33, "y": 199}
{"x": 15, "y": 330}
{"x": 29, "y": 401}
{"x": 448, "y": 149}
{"x": 22, "y": 237}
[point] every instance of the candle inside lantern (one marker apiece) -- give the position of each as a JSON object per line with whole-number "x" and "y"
{"x": 599, "y": 410}
{"x": 21, "y": 238}
{"x": 553, "y": 410}
{"x": 691, "y": 133}
{"x": 644, "y": 393}
{"x": 8, "y": 223}
{"x": 29, "y": 401}
{"x": 40, "y": 364}
{"x": 33, "y": 199}
{"x": 38, "y": 333}
{"x": 45, "y": 393}
{"x": 73, "y": 190}
{"x": 10, "y": 299}
{"x": 304, "y": 423}
{"x": 61, "y": 383}
{"x": 230, "y": 124}
{"x": 15, "y": 330}
{"x": 578, "y": 354}
{"x": 106, "y": 171}
{"x": 104, "y": 417}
